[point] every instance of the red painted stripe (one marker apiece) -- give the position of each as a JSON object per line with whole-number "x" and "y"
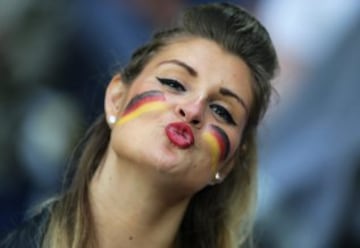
{"x": 144, "y": 98}
{"x": 222, "y": 140}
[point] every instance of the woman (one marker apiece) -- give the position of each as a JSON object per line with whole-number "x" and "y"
{"x": 172, "y": 161}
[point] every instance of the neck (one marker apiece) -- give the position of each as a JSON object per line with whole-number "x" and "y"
{"x": 129, "y": 210}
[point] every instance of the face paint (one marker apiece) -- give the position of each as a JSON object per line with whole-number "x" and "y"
{"x": 219, "y": 145}
{"x": 143, "y": 103}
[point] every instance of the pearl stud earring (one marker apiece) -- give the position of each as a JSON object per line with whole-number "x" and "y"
{"x": 217, "y": 179}
{"x": 112, "y": 119}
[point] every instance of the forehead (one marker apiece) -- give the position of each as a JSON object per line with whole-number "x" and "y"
{"x": 213, "y": 64}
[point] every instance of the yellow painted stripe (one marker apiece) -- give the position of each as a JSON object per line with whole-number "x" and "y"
{"x": 215, "y": 150}
{"x": 148, "y": 107}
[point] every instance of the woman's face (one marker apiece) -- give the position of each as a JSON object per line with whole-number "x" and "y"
{"x": 182, "y": 118}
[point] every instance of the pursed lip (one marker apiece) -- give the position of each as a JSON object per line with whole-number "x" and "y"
{"x": 180, "y": 134}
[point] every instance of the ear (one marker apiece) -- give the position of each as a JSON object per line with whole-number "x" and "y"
{"x": 114, "y": 97}
{"x": 226, "y": 169}
{"x": 229, "y": 165}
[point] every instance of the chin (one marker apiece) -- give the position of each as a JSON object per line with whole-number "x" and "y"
{"x": 168, "y": 162}
{"x": 183, "y": 174}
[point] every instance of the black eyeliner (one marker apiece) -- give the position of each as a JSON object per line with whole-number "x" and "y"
{"x": 176, "y": 85}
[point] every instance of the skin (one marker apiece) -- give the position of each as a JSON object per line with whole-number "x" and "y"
{"x": 219, "y": 144}
{"x": 144, "y": 182}
{"x": 141, "y": 104}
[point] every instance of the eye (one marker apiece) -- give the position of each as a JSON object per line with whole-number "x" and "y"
{"x": 172, "y": 83}
{"x": 222, "y": 113}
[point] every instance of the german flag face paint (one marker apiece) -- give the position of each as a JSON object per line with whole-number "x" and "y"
{"x": 219, "y": 145}
{"x": 143, "y": 103}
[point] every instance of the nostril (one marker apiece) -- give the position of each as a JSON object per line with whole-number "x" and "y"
{"x": 182, "y": 112}
{"x": 189, "y": 116}
{"x": 195, "y": 122}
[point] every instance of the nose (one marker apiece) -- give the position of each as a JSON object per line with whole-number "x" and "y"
{"x": 192, "y": 111}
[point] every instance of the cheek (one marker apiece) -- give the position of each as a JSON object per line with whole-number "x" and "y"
{"x": 142, "y": 103}
{"x": 219, "y": 144}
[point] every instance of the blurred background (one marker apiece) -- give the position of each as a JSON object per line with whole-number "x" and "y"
{"x": 56, "y": 58}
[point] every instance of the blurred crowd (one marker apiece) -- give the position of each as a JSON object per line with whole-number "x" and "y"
{"x": 57, "y": 56}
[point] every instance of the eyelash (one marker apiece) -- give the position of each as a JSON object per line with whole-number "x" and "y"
{"x": 222, "y": 113}
{"x": 172, "y": 83}
{"x": 216, "y": 108}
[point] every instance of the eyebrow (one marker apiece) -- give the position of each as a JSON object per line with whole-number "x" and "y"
{"x": 227, "y": 92}
{"x": 188, "y": 68}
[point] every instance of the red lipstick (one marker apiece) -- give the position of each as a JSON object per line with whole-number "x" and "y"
{"x": 180, "y": 134}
